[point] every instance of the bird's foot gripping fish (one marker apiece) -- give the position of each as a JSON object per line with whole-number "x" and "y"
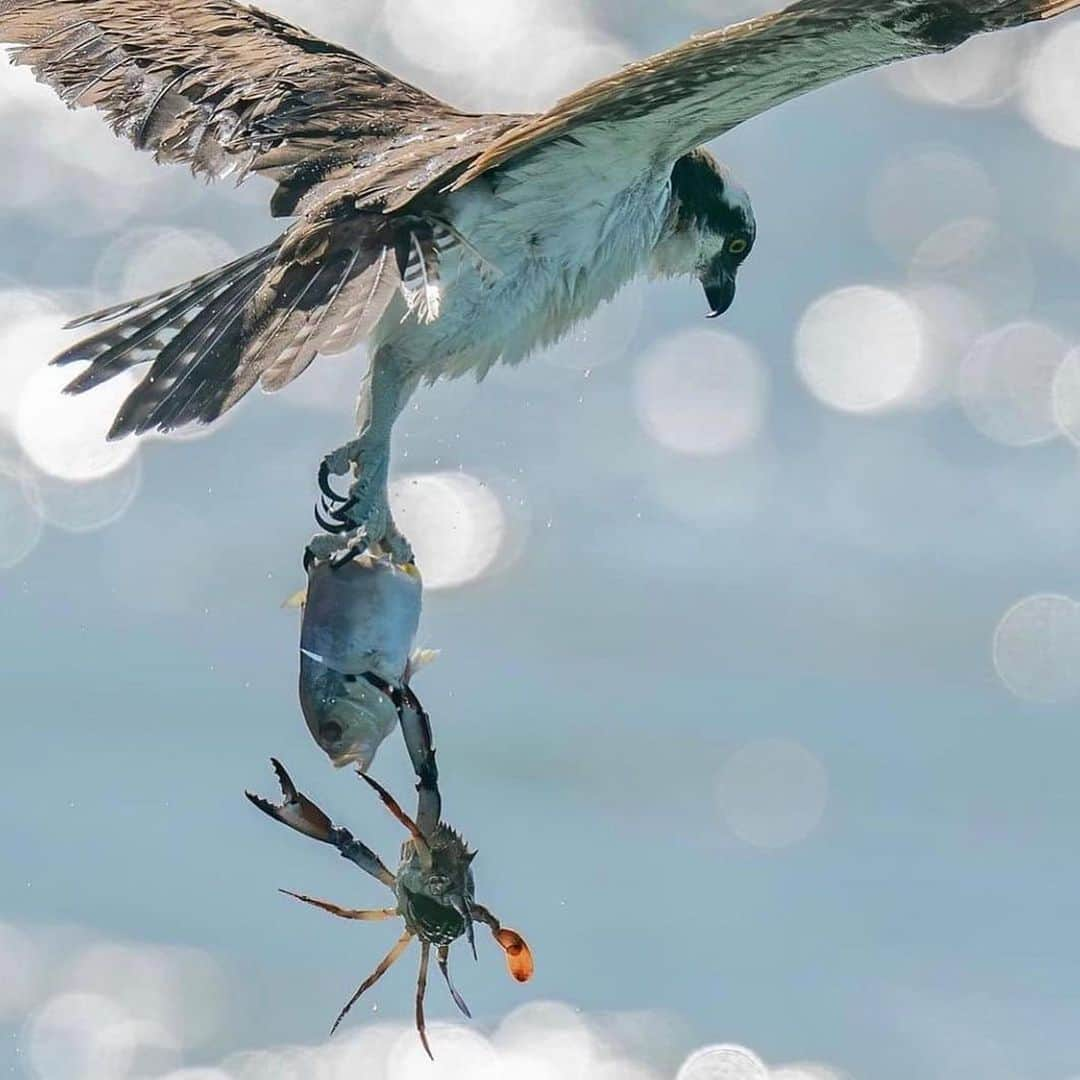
{"x": 360, "y": 520}
{"x": 433, "y": 887}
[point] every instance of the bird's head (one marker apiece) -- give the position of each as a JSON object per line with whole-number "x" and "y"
{"x": 710, "y": 228}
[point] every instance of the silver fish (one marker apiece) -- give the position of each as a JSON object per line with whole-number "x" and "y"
{"x": 356, "y": 639}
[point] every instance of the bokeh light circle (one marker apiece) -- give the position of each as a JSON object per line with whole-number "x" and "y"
{"x": 87, "y": 505}
{"x": 19, "y": 963}
{"x": 772, "y": 793}
{"x": 860, "y": 349}
{"x": 197, "y": 1074}
{"x": 1065, "y": 396}
{"x": 1037, "y": 648}
{"x": 30, "y": 335}
{"x": 20, "y": 519}
{"x": 974, "y": 254}
{"x": 458, "y": 1051}
{"x": 1005, "y": 384}
{"x": 1052, "y": 86}
{"x": 952, "y": 320}
{"x": 454, "y": 522}
{"x": 702, "y": 393}
{"x": 723, "y": 1062}
{"x": 65, "y": 434}
{"x": 483, "y": 49}
{"x": 922, "y": 189}
{"x": 81, "y": 1037}
{"x": 805, "y": 1071}
{"x": 178, "y": 991}
{"x": 981, "y": 73}
{"x": 147, "y": 259}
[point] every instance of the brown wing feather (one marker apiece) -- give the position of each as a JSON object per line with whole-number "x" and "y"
{"x": 678, "y": 99}
{"x": 223, "y": 87}
{"x": 262, "y": 318}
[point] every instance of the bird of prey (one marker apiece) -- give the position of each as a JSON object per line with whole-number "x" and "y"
{"x": 446, "y": 241}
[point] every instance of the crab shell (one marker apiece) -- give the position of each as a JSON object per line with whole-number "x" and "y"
{"x": 359, "y": 619}
{"x": 425, "y": 912}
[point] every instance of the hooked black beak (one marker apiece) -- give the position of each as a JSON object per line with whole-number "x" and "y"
{"x": 720, "y": 294}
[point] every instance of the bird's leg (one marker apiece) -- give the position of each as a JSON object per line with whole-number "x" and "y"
{"x": 378, "y": 915}
{"x": 362, "y": 517}
{"x": 300, "y": 813}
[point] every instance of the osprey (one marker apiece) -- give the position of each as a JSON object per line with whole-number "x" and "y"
{"x": 444, "y": 240}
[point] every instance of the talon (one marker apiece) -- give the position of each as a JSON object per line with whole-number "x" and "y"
{"x": 324, "y": 483}
{"x": 346, "y": 508}
{"x": 333, "y": 510}
{"x": 329, "y": 524}
{"x": 350, "y": 554}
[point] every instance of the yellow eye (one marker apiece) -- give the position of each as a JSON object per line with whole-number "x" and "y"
{"x": 738, "y": 246}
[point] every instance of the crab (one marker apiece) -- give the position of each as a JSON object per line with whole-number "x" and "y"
{"x": 433, "y": 887}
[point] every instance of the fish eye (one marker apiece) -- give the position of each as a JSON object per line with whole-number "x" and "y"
{"x": 738, "y": 246}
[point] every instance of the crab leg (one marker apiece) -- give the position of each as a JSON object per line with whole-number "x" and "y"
{"x": 420, "y": 842}
{"x": 300, "y": 813}
{"x": 444, "y": 967}
{"x": 416, "y": 729}
{"x": 378, "y": 915}
{"x": 384, "y": 965}
{"x": 421, "y": 989}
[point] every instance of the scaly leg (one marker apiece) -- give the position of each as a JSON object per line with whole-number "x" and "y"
{"x": 384, "y": 966}
{"x": 363, "y": 515}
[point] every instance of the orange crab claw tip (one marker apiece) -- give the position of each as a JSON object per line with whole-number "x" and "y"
{"x": 519, "y": 957}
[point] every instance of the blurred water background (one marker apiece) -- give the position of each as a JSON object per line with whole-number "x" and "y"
{"x": 759, "y": 660}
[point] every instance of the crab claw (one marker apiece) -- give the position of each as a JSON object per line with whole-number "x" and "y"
{"x": 519, "y": 958}
{"x": 296, "y": 810}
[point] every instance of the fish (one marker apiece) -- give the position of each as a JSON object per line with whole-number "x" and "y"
{"x": 357, "y": 637}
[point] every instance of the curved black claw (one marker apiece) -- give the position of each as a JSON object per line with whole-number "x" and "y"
{"x": 326, "y": 487}
{"x": 332, "y": 520}
{"x": 348, "y": 555}
{"x": 333, "y": 527}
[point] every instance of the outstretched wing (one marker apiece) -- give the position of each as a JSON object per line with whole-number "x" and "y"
{"x": 219, "y": 85}
{"x": 659, "y": 108}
